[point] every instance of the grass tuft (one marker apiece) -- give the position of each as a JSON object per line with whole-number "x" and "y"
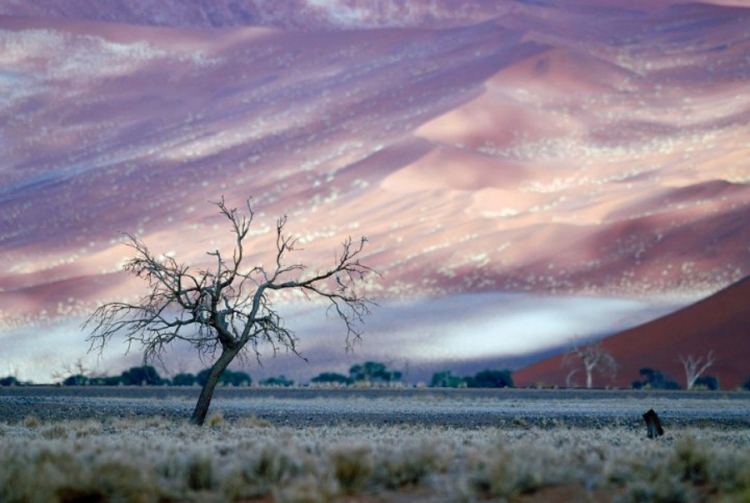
{"x": 215, "y": 420}
{"x": 155, "y": 459}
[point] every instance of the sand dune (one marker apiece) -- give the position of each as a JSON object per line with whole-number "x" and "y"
{"x": 717, "y": 324}
{"x": 587, "y": 147}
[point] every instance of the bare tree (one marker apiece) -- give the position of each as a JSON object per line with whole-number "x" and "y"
{"x": 694, "y": 367}
{"x": 78, "y": 371}
{"x": 228, "y": 309}
{"x": 593, "y": 357}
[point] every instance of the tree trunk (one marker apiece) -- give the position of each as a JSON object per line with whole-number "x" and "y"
{"x": 653, "y": 424}
{"x": 589, "y": 379}
{"x": 207, "y": 392}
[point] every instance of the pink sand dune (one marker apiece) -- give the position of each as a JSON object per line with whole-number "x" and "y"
{"x": 587, "y": 147}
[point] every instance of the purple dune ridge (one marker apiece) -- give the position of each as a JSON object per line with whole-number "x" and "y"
{"x": 526, "y": 171}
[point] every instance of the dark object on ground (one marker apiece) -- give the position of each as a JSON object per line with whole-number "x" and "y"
{"x": 653, "y": 424}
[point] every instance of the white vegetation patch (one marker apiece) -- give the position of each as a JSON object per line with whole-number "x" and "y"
{"x": 83, "y": 55}
{"x": 32, "y": 58}
{"x": 155, "y": 459}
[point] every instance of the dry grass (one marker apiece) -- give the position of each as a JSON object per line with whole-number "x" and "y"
{"x": 157, "y": 460}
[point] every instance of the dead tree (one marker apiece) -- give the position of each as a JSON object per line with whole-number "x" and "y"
{"x": 227, "y": 311}
{"x": 694, "y": 367}
{"x": 593, "y": 357}
{"x": 653, "y": 424}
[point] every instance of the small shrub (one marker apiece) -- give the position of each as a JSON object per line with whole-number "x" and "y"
{"x": 707, "y": 382}
{"x": 691, "y": 461}
{"x": 31, "y": 421}
{"x": 253, "y": 422}
{"x": 664, "y": 489}
{"x": 405, "y": 466}
{"x": 352, "y": 466}
{"x": 503, "y": 474}
{"x": 88, "y": 428}
{"x": 9, "y": 381}
{"x": 199, "y": 472}
{"x": 331, "y": 378}
{"x": 280, "y": 381}
{"x": 491, "y": 379}
{"x": 55, "y": 431}
{"x": 215, "y": 420}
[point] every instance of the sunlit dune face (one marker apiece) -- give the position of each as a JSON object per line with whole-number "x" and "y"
{"x": 593, "y": 147}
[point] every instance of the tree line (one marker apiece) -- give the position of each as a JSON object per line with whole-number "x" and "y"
{"x": 369, "y": 373}
{"x": 365, "y": 374}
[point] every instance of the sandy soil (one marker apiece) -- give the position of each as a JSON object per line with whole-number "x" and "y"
{"x": 514, "y": 408}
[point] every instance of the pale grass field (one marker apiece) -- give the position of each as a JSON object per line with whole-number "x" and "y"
{"x": 163, "y": 460}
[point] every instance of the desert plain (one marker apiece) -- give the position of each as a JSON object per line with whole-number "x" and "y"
{"x": 373, "y": 445}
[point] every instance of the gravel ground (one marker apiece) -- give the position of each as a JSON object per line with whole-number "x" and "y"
{"x": 300, "y": 407}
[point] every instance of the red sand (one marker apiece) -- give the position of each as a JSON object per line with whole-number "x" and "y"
{"x": 718, "y": 324}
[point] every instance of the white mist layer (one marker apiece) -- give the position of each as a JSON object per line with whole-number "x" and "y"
{"x": 423, "y": 333}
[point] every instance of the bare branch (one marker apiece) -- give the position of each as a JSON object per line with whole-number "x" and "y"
{"x": 694, "y": 369}
{"x": 225, "y": 309}
{"x": 593, "y": 357}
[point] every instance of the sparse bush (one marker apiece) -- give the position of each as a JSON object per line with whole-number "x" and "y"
{"x": 708, "y": 382}
{"x": 106, "y": 381}
{"x": 55, "y": 431}
{"x": 184, "y": 380}
{"x": 76, "y": 380}
{"x": 331, "y": 378}
{"x": 406, "y": 465}
{"x": 352, "y": 465}
{"x": 228, "y": 378}
{"x": 145, "y": 375}
{"x": 215, "y": 420}
{"x": 31, "y": 421}
{"x": 373, "y": 373}
{"x": 9, "y": 381}
{"x": 503, "y": 474}
{"x": 277, "y": 381}
{"x": 491, "y": 379}
{"x": 253, "y": 422}
{"x": 691, "y": 461}
{"x": 446, "y": 379}
{"x": 655, "y": 379}
{"x": 199, "y": 472}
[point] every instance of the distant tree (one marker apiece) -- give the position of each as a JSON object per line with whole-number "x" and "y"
{"x": 76, "y": 374}
{"x": 746, "y": 384}
{"x": 277, "y": 381}
{"x": 446, "y": 379}
{"x": 694, "y": 367}
{"x": 9, "y": 381}
{"x": 655, "y": 379}
{"x": 593, "y": 358}
{"x": 228, "y": 309}
{"x": 331, "y": 378}
{"x": 76, "y": 380}
{"x": 491, "y": 379}
{"x": 106, "y": 381}
{"x": 707, "y": 382}
{"x": 238, "y": 378}
{"x": 183, "y": 379}
{"x": 228, "y": 378}
{"x": 373, "y": 372}
{"x": 145, "y": 375}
